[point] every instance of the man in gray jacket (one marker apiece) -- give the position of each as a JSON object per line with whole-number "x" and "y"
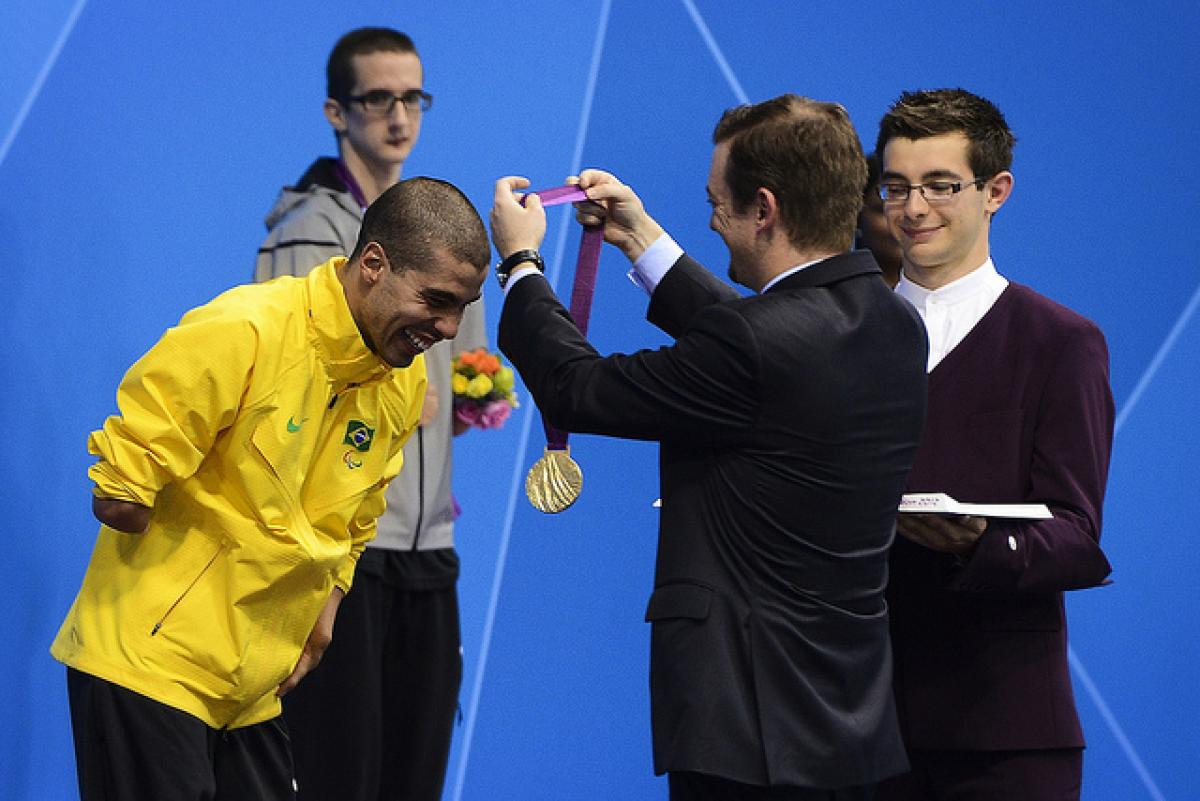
{"x": 376, "y": 719}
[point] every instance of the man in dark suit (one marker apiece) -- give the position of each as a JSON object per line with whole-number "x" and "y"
{"x": 787, "y": 422}
{"x": 1020, "y": 411}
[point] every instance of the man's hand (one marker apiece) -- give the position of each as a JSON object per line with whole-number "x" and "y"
{"x": 516, "y": 227}
{"x": 429, "y": 409}
{"x": 132, "y": 518}
{"x": 318, "y": 640}
{"x": 956, "y": 535}
{"x": 613, "y": 204}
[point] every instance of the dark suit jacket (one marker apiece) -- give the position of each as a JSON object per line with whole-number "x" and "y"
{"x": 787, "y": 423}
{"x": 1019, "y": 412}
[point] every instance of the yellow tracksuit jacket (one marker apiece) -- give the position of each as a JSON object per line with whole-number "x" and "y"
{"x": 262, "y": 432}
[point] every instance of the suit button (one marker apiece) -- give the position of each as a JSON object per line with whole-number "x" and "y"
{"x": 1012, "y": 543}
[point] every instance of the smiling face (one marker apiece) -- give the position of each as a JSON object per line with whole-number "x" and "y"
{"x": 381, "y": 142}
{"x": 402, "y": 314}
{"x": 940, "y": 241}
{"x": 735, "y": 228}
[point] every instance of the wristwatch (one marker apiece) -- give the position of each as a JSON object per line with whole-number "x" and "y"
{"x": 515, "y": 260}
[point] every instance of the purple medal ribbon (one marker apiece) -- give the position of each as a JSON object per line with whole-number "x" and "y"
{"x": 352, "y": 186}
{"x": 585, "y": 281}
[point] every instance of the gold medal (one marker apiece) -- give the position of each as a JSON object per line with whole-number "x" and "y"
{"x": 554, "y": 481}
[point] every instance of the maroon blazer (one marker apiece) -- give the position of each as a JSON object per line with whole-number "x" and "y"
{"x": 1020, "y": 411}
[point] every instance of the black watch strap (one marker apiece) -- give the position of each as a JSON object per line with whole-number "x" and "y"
{"x": 520, "y": 257}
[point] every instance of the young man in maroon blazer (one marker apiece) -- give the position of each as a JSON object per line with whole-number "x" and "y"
{"x": 1020, "y": 410}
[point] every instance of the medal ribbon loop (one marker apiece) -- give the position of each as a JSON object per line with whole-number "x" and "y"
{"x": 555, "y": 481}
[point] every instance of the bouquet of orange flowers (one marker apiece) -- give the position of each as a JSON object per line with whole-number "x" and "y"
{"x": 483, "y": 389}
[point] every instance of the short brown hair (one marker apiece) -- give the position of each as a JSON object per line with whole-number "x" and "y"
{"x": 418, "y": 216}
{"x": 933, "y": 112}
{"x": 339, "y": 71}
{"x": 807, "y": 153}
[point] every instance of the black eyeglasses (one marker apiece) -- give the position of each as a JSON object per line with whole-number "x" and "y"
{"x": 382, "y": 102}
{"x": 933, "y": 192}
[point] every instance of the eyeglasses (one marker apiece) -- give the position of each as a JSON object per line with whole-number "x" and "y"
{"x": 382, "y": 102}
{"x": 933, "y": 192}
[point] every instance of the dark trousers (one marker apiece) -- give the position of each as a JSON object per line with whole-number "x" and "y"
{"x": 688, "y": 786}
{"x": 1035, "y": 775}
{"x": 374, "y": 719}
{"x": 131, "y": 748}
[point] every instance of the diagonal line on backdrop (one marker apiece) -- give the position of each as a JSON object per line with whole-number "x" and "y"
{"x": 40, "y": 80}
{"x": 717, "y": 55}
{"x": 518, "y": 462}
{"x": 1077, "y": 666}
{"x": 1130, "y": 752}
{"x": 1159, "y": 358}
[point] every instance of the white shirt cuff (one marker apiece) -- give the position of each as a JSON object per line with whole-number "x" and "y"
{"x": 654, "y": 263}
{"x": 517, "y": 274}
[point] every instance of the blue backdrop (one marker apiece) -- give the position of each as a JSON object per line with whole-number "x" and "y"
{"x": 141, "y": 144}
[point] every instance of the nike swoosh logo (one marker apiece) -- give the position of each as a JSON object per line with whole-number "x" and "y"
{"x": 293, "y": 426}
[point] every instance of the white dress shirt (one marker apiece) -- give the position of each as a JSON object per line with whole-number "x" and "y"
{"x": 647, "y": 271}
{"x": 654, "y": 262}
{"x": 649, "y": 268}
{"x": 953, "y": 310}
{"x": 657, "y": 259}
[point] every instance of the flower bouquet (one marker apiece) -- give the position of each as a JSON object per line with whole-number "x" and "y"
{"x": 483, "y": 389}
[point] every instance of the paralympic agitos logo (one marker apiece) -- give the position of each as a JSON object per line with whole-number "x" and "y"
{"x": 360, "y": 435}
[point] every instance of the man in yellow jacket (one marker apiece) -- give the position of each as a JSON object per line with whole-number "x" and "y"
{"x": 236, "y": 489}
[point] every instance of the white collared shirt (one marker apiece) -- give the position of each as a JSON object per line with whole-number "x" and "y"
{"x": 646, "y": 272}
{"x": 654, "y": 262}
{"x": 649, "y": 268}
{"x": 950, "y": 312}
{"x": 787, "y": 273}
{"x": 657, "y": 259}
{"x": 519, "y": 273}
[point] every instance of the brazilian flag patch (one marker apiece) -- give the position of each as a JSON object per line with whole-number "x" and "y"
{"x": 359, "y": 435}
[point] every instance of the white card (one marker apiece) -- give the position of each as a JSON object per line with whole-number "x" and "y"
{"x": 939, "y": 503}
